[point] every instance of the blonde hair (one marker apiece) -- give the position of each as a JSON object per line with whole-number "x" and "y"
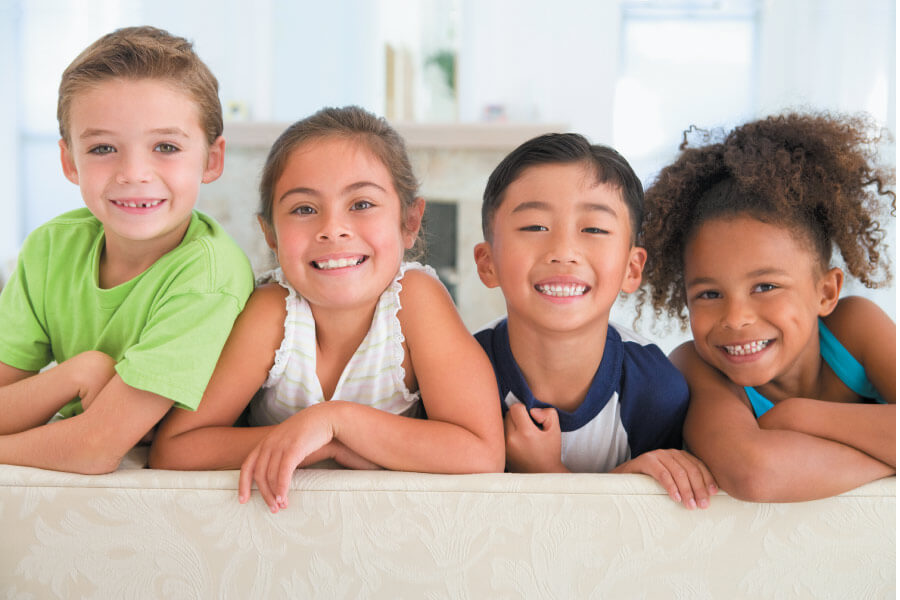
{"x": 143, "y": 53}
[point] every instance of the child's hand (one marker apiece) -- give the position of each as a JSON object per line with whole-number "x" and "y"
{"x": 789, "y": 414}
{"x": 91, "y": 371}
{"x": 342, "y": 455}
{"x": 273, "y": 461}
{"x": 685, "y": 477}
{"x": 530, "y": 448}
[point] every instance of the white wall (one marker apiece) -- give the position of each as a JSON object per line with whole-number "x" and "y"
{"x": 553, "y": 62}
{"x": 546, "y": 61}
{"x": 10, "y": 216}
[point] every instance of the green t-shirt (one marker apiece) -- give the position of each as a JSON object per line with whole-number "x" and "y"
{"x": 165, "y": 328}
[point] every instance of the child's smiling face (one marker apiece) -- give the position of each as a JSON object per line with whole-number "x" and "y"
{"x": 754, "y": 293}
{"x": 139, "y": 154}
{"x": 338, "y": 227}
{"x": 561, "y": 248}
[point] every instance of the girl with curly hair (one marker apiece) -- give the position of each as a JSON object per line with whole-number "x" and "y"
{"x": 792, "y": 387}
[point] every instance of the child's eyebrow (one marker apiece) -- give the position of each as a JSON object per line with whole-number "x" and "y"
{"x": 349, "y": 189}
{"x": 763, "y": 272}
{"x": 92, "y": 133}
{"x": 546, "y": 206}
{"x": 170, "y": 131}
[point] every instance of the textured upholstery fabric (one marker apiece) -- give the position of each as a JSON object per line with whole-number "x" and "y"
{"x": 140, "y": 533}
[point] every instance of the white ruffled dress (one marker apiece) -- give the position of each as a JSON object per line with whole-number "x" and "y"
{"x": 374, "y": 375}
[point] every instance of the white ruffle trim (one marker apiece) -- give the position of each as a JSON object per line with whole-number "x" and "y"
{"x": 397, "y": 347}
{"x": 291, "y": 302}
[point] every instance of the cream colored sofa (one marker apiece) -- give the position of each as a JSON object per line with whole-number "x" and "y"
{"x": 140, "y": 533}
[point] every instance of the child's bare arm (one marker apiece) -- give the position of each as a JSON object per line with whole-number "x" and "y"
{"x": 463, "y": 432}
{"x": 30, "y": 399}
{"x": 869, "y": 335}
{"x": 762, "y": 465}
{"x": 871, "y": 428}
{"x": 94, "y": 441}
{"x": 206, "y": 438}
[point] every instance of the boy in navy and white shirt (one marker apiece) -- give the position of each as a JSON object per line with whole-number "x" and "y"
{"x": 561, "y": 219}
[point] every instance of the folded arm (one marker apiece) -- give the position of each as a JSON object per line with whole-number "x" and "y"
{"x": 757, "y": 464}
{"x": 463, "y": 432}
{"x": 870, "y": 428}
{"x": 30, "y": 399}
{"x": 94, "y": 441}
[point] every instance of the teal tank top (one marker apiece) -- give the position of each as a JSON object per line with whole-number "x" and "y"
{"x": 841, "y": 362}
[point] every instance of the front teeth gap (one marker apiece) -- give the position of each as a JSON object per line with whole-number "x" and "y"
{"x": 745, "y": 349}
{"x": 138, "y": 204}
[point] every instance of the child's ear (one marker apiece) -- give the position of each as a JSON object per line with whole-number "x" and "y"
{"x": 68, "y": 163}
{"x": 271, "y": 240}
{"x": 830, "y": 290}
{"x": 215, "y": 160}
{"x": 637, "y": 257}
{"x": 484, "y": 261}
{"x": 414, "y": 216}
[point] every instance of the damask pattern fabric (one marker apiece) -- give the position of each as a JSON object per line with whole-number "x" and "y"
{"x": 141, "y": 533}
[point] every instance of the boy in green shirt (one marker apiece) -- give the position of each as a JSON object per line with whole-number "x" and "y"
{"x": 134, "y": 295}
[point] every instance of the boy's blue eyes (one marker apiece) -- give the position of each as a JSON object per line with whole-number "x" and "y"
{"x": 102, "y": 149}
{"x": 164, "y": 147}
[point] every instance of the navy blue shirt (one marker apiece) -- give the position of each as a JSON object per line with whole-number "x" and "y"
{"x": 636, "y": 402}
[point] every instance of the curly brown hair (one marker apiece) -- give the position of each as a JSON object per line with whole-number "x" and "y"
{"x": 815, "y": 174}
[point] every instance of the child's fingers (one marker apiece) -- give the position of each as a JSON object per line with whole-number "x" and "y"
{"x": 260, "y": 472}
{"x": 688, "y": 475}
{"x": 245, "y": 481}
{"x": 267, "y": 479}
{"x": 662, "y": 474}
{"x": 547, "y": 418}
{"x": 285, "y": 474}
{"x": 709, "y": 481}
{"x": 518, "y": 414}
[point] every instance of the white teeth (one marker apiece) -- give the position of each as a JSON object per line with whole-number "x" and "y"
{"x": 745, "y": 349}
{"x": 562, "y": 290}
{"x": 339, "y": 263}
{"x": 150, "y": 204}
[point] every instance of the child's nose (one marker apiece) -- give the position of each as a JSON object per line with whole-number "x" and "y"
{"x": 738, "y": 313}
{"x": 133, "y": 169}
{"x": 562, "y": 249}
{"x": 333, "y": 226}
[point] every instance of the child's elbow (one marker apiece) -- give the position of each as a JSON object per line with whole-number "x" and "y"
{"x": 492, "y": 458}
{"x": 162, "y": 456}
{"x": 99, "y": 460}
{"x": 755, "y": 480}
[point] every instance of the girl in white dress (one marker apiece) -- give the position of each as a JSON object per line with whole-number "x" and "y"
{"x": 348, "y": 342}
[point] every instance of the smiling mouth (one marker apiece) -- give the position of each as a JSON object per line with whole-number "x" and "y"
{"x": 562, "y": 291}
{"x": 339, "y": 263}
{"x": 147, "y": 204}
{"x": 746, "y": 349}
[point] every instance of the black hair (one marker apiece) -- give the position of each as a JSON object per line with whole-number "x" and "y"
{"x": 609, "y": 167}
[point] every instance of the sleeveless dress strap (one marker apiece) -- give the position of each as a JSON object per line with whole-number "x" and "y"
{"x": 761, "y": 405}
{"x": 845, "y": 366}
